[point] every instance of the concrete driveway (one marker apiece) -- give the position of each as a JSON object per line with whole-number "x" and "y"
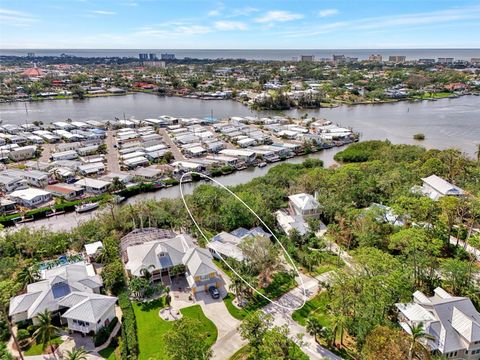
{"x": 281, "y": 316}
{"x": 229, "y": 340}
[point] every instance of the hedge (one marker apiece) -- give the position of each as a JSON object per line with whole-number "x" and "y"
{"x": 129, "y": 328}
{"x": 102, "y": 336}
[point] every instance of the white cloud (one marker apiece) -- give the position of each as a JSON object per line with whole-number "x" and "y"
{"x": 213, "y": 13}
{"x": 278, "y": 16}
{"x": 328, "y": 12}
{"x": 230, "y": 25}
{"x": 392, "y": 21}
{"x": 103, "y": 12}
{"x": 16, "y": 18}
{"x": 242, "y": 12}
{"x": 166, "y": 30}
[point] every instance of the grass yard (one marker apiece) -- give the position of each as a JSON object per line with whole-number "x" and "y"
{"x": 315, "y": 307}
{"x": 237, "y": 313}
{"x": 36, "y": 349}
{"x": 151, "y": 328}
{"x": 108, "y": 353}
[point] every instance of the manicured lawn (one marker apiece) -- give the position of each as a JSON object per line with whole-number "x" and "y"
{"x": 108, "y": 353}
{"x": 208, "y": 327}
{"x": 151, "y": 328}
{"x": 36, "y": 349}
{"x": 237, "y": 313}
{"x": 316, "y": 307}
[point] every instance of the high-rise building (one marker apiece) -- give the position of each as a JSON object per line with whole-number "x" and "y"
{"x": 339, "y": 58}
{"x": 31, "y": 55}
{"x": 167, "y": 56}
{"x": 397, "y": 59}
{"x": 307, "y": 58}
{"x": 445, "y": 61}
{"x": 152, "y": 56}
{"x": 375, "y": 58}
{"x": 143, "y": 57}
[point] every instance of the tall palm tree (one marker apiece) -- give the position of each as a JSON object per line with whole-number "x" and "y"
{"x": 28, "y": 275}
{"x": 314, "y": 328}
{"x": 338, "y": 323}
{"x": 417, "y": 333}
{"x": 76, "y": 354}
{"x": 46, "y": 331}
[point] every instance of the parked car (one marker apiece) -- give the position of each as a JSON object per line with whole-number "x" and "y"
{"x": 214, "y": 292}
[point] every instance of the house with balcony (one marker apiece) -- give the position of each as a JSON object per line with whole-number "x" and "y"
{"x": 166, "y": 258}
{"x": 452, "y": 321}
{"x": 70, "y": 292}
{"x": 301, "y": 208}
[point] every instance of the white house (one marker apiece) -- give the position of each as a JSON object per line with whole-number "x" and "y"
{"x": 93, "y": 186}
{"x": 160, "y": 257}
{"x": 452, "y": 321}
{"x": 435, "y": 187}
{"x": 31, "y": 197}
{"x": 304, "y": 205}
{"x": 74, "y": 288}
{"x": 227, "y": 245}
{"x": 22, "y": 153}
{"x": 301, "y": 207}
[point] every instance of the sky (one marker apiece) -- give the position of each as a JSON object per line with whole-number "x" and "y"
{"x": 233, "y": 24}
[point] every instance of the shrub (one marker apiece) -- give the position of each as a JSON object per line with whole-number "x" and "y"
{"x": 419, "y": 136}
{"x": 129, "y": 328}
{"x": 22, "y": 334}
{"x": 102, "y": 336}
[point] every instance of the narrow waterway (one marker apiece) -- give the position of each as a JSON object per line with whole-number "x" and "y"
{"x": 445, "y": 123}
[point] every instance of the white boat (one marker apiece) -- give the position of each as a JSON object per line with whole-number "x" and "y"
{"x": 262, "y": 164}
{"x": 86, "y": 207}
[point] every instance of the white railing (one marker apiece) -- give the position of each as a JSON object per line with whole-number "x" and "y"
{"x": 83, "y": 329}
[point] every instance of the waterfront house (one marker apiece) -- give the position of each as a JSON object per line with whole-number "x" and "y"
{"x": 435, "y": 187}
{"x": 7, "y": 206}
{"x": 31, "y": 197}
{"x": 66, "y": 191}
{"x": 71, "y": 292}
{"x": 452, "y": 321}
{"x": 93, "y": 186}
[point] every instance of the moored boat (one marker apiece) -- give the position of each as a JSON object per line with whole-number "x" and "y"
{"x": 86, "y": 207}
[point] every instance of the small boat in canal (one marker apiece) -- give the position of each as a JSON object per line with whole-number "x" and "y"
{"x": 262, "y": 164}
{"x": 86, "y": 207}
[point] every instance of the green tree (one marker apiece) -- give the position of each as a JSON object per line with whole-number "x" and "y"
{"x": 263, "y": 257}
{"x": 314, "y": 328}
{"x": 416, "y": 349}
{"x": 185, "y": 341}
{"x": 46, "y": 331}
{"x": 384, "y": 343}
{"x": 254, "y": 327}
{"x": 76, "y": 354}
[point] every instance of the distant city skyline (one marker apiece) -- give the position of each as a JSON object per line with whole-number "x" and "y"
{"x": 268, "y": 24}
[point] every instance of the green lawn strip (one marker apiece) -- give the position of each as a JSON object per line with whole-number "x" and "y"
{"x": 315, "y": 307}
{"x": 208, "y": 327}
{"x": 151, "y": 328}
{"x": 236, "y": 312}
{"x": 108, "y": 353}
{"x": 37, "y": 349}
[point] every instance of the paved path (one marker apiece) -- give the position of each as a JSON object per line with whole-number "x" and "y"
{"x": 46, "y": 152}
{"x": 177, "y": 154}
{"x": 113, "y": 164}
{"x": 281, "y": 316}
{"x": 468, "y": 248}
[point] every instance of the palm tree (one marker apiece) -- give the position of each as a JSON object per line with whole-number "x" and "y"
{"x": 76, "y": 354}
{"x": 145, "y": 272}
{"x": 338, "y": 323}
{"x": 46, "y": 331}
{"x": 314, "y": 328}
{"x": 28, "y": 275}
{"x": 417, "y": 333}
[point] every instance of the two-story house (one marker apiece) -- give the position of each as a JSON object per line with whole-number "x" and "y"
{"x": 301, "y": 208}
{"x": 452, "y": 321}
{"x": 70, "y": 291}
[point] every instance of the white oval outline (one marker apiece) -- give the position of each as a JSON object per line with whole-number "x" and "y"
{"x": 263, "y": 223}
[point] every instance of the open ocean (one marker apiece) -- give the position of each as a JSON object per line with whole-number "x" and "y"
{"x": 411, "y": 54}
